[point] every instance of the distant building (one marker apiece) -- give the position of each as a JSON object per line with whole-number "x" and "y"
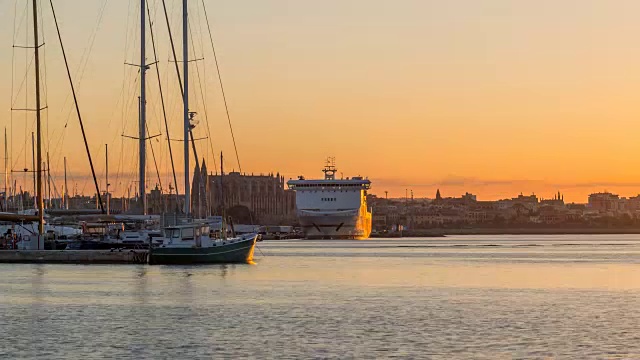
{"x": 247, "y": 198}
{"x": 558, "y": 201}
{"x": 632, "y": 204}
{"x": 159, "y": 202}
{"x": 604, "y": 202}
{"x": 550, "y": 214}
{"x": 464, "y": 200}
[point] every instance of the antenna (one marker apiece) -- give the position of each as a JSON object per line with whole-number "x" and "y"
{"x": 330, "y": 168}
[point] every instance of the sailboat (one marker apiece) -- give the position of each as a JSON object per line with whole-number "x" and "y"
{"x": 193, "y": 242}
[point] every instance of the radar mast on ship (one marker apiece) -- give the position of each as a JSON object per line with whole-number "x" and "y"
{"x": 330, "y": 169}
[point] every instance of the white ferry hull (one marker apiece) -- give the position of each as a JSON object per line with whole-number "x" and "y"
{"x": 333, "y": 208}
{"x": 348, "y": 224}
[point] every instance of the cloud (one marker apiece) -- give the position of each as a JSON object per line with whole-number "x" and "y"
{"x": 456, "y": 181}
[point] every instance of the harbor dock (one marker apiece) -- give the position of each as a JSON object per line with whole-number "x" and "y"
{"x": 74, "y": 256}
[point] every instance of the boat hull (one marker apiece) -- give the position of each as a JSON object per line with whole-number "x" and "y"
{"x": 240, "y": 251}
{"x": 353, "y": 225}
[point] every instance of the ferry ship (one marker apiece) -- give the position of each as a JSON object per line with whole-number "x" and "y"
{"x": 332, "y": 208}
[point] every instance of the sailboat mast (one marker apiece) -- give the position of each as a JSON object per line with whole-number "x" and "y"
{"x": 185, "y": 100}
{"x": 142, "y": 140}
{"x": 33, "y": 168}
{"x": 106, "y": 160}
{"x": 221, "y": 184}
{"x": 6, "y": 172}
{"x": 49, "y": 201}
{"x": 222, "y": 199}
{"x": 66, "y": 187}
{"x": 38, "y": 124}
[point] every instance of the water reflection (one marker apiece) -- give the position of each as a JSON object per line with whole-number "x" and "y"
{"x": 224, "y": 270}
{"x": 141, "y": 284}
{"x": 37, "y": 308}
{"x": 402, "y": 298}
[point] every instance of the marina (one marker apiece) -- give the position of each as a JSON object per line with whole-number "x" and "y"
{"x": 133, "y": 237}
{"x": 131, "y": 229}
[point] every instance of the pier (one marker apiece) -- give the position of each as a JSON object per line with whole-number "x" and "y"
{"x": 74, "y": 256}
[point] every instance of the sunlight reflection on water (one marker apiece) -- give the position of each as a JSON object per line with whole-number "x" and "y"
{"x": 562, "y": 297}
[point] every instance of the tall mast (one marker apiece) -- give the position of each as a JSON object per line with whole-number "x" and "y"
{"x": 221, "y": 184}
{"x": 75, "y": 102}
{"x": 49, "y": 182}
{"x": 38, "y": 125}
{"x": 106, "y": 159}
{"x": 33, "y": 169}
{"x": 6, "y": 172}
{"x": 222, "y": 200}
{"x": 66, "y": 187}
{"x": 185, "y": 100}
{"x": 142, "y": 139}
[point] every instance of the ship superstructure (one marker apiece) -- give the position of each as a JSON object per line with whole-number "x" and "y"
{"x": 333, "y": 208}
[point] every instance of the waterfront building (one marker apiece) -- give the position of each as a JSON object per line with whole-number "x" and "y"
{"x": 632, "y": 204}
{"x": 550, "y": 214}
{"x": 160, "y": 202}
{"x": 557, "y": 200}
{"x": 604, "y": 202}
{"x": 467, "y": 199}
{"x": 248, "y": 199}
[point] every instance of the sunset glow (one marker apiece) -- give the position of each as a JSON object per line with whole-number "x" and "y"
{"x": 495, "y": 98}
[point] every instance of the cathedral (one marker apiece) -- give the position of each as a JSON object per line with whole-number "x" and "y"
{"x": 248, "y": 199}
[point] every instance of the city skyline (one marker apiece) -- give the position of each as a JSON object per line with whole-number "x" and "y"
{"x": 492, "y": 98}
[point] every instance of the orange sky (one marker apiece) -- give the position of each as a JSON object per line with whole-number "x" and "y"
{"x": 492, "y": 97}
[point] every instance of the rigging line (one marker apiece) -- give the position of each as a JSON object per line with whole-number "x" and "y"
{"x": 175, "y": 62}
{"x": 45, "y": 90}
{"x": 203, "y": 94}
{"x": 164, "y": 111}
{"x": 86, "y": 54}
{"x": 125, "y": 73}
{"x": 75, "y": 100}
{"x": 128, "y": 104}
{"x": 26, "y": 94}
{"x": 84, "y": 60}
{"x": 24, "y": 146}
{"x": 173, "y": 50}
{"x": 224, "y": 98}
{"x": 23, "y": 82}
{"x": 204, "y": 100}
{"x": 57, "y": 149}
{"x": 173, "y": 47}
{"x": 120, "y": 162}
{"x": 201, "y": 189}
{"x": 155, "y": 163}
{"x": 13, "y": 69}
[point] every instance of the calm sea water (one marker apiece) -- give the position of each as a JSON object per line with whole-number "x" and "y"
{"x": 564, "y": 297}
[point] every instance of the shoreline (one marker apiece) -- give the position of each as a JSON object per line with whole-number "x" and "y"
{"x": 514, "y": 231}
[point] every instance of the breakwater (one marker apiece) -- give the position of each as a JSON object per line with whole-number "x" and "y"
{"x": 74, "y": 256}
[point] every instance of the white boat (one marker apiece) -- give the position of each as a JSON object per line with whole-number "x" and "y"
{"x": 333, "y": 208}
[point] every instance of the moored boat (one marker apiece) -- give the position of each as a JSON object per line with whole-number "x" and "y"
{"x": 192, "y": 244}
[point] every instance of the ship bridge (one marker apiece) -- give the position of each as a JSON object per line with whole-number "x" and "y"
{"x": 319, "y": 184}
{"x": 330, "y": 182}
